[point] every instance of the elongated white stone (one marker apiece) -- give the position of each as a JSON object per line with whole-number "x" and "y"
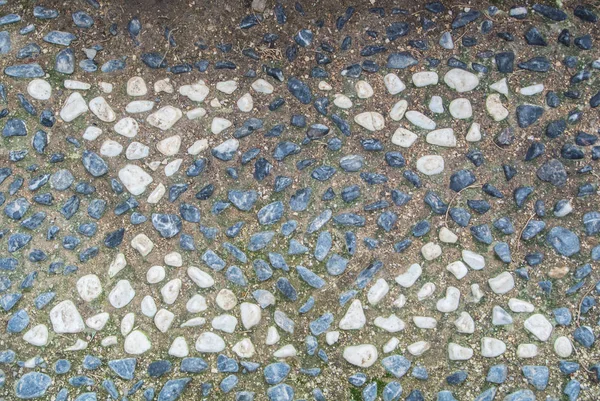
{"x": 420, "y": 120}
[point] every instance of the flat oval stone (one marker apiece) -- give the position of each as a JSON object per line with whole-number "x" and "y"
{"x": 461, "y": 80}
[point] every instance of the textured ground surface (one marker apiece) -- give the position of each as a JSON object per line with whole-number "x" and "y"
{"x": 297, "y": 201}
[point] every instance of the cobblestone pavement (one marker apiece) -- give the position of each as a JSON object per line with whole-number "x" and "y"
{"x": 299, "y": 200}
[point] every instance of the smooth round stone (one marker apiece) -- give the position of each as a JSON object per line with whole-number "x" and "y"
{"x": 457, "y": 352}
{"x": 227, "y": 87}
{"x": 139, "y": 106}
{"x": 450, "y": 302}
{"x": 502, "y": 283}
{"x": 91, "y": 133}
{"x": 179, "y": 348}
{"x": 500, "y": 86}
{"x": 324, "y": 86}
{"x": 127, "y": 127}
{"x": 332, "y": 337}
{"x": 408, "y": 278}
{"x": 460, "y": 109}
{"x": 420, "y": 120}
{"x": 532, "y": 90}
{"x": 197, "y": 147}
{"x": 195, "y": 92}
{"x": 170, "y": 291}
{"x": 136, "y": 151}
{"x": 342, "y": 101}
{"x": 209, "y": 342}
{"x": 65, "y": 318}
{"x": 102, "y": 110}
{"x": 461, "y": 80}
{"x": 136, "y": 343}
{"x": 245, "y": 103}
{"x": 465, "y": 323}
{"x": 105, "y": 87}
{"x": 135, "y": 179}
{"x": 458, "y": 269}
{"x": 426, "y": 291}
{"x": 272, "y": 336}
{"x": 157, "y": 194}
{"x": 424, "y": 322}
{"x": 196, "y": 113}
{"x": 118, "y": 264}
{"x": 97, "y": 322}
{"x": 474, "y": 133}
{"x": 363, "y": 90}
{"x": 495, "y": 108}
{"x": 163, "y": 320}
{"x": 136, "y": 86}
{"x": 244, "y": 348}
{"x": 287, "y": 351}
{"x": 354, "y": 319}
{"x": 197, "y": 303}
{"x": 169, "y": 146}
{"x": 200, "y": 278}
{"x": 442, "y": 137}
{"x": 563, "y": 347}
{"x": 219, "y": 125}
{"x": 250, "y": 314}
{"x": 370, "y": 120}
{"x": 226, "y": 299}
{"x": 127, "y": 323}
{"x": 519, "y": 306}
{"x": 165, "y": 117}
{"x": 76, "y": 85}
{"x": 492, "y": 347}
{"x": 121, "y": 294}
{"x": 474, "y": 260}
{"x": 73, "y": 107}
{"x": 418, "y": 348}
{"x": 262, "y": 86}
{"x": 398, "y": 110}
{"x": 391, "y": 324}
{"x": 89, "y": 287}
{"x": 37, "y": 335}
{"x": 425, "y": 78}
{"x": 393, "y": 84}
{"x": 378, "y": 291}
{"x": 163, "y": 85}
{"x": 111, "y": 148}
{"x": 430, "y": 164}
{"x": 539, "y": 326}
{"x": 39, "y": 89}
{"x": 527, "y": 351}
{"x": 148, "y": 306}
{"x": 436, "y": 105}
{"x": 404, "y": 138}
{"x": 364, "y": 355}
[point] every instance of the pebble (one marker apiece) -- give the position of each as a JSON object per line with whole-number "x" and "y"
{"x": 420, "y": 120}
{"x": 461, "y": 80}
{"x": 363, "y": 355}
{"x": 371, "y": 121}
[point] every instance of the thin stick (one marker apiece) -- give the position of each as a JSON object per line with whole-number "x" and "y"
{"x": 521, "y": 233}
{"x": 168, "y": 45}
{"x": 452, "y": 201}
{"x": 581, "y": 303}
